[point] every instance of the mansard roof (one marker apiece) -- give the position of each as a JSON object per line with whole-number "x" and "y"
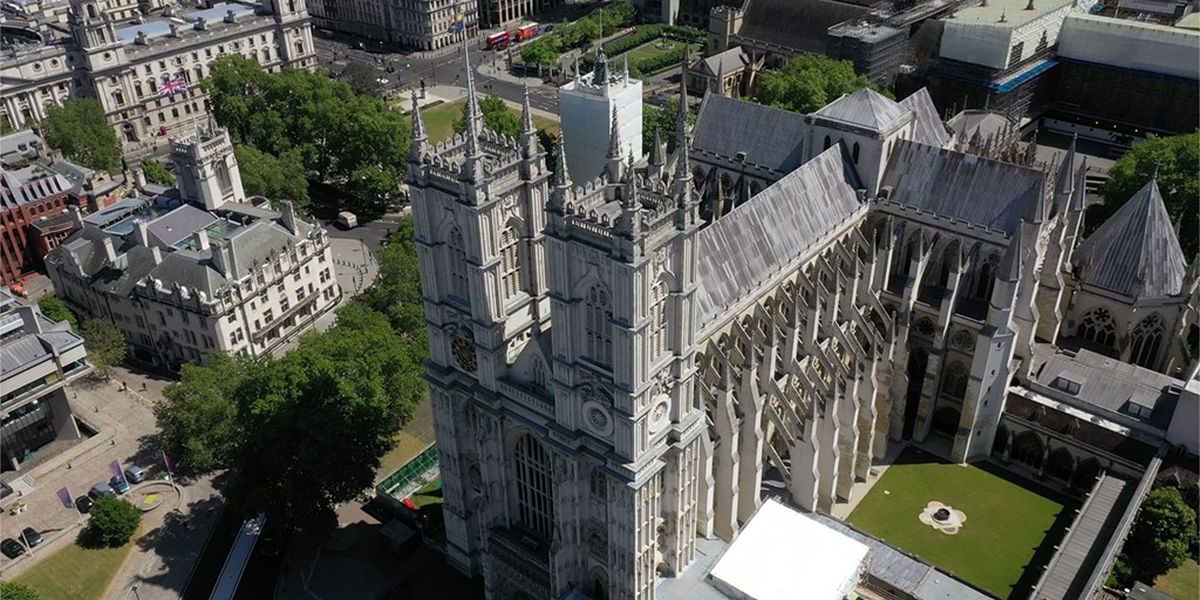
{"x": 864, "y": 108}
{"x": 928, "y": 127}
{"x": 1135, "y": 252}
{"x": 770, "y": 137}
{"x": 754, "y": 241}
{"x": 979, "y": 191}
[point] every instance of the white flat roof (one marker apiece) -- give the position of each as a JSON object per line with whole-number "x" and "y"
{"x": 782, "y": 555}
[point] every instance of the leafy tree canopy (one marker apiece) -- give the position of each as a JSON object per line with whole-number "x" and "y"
{"x": 81, "y": 132}
{"x": 156, "y": 173}
{"x": 497, "y": 116}
{"x": 198, "y": 417}
{"x": 56, "y": 310}
{"x": 105, "y": 345}
{"x": 1177, "y": 161}
{"x": 542, "y": 52}
{"x": 1164, "y": 530}
{"x": 273, "y": 178}
{"x": 11, "y": 590}
{"x": 346, "y": 138}
{"x": 112, "y": 522}
{"x": 664, "y": 120}
{"x": 362, "y": 78}
{"x": 808, "y": 82}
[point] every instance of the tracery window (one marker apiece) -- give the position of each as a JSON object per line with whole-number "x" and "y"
{"x": 1098, "y": 326}
{"x": 535, "y": 494}
{"x": 597, "y": 330}
{"x": 457, "y": 256}
{"x": 510, "y": 273}
{"x": 1147, "y": 337}
{"x": 539, "y": 374}
{"x": 955, "y": 384}
{"x": 986, "y": 278}
{"x": 658, "y": 318}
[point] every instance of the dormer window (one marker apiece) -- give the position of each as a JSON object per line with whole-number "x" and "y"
{"x": 1063, "y": 384}
{"x": 1137, "y": 410}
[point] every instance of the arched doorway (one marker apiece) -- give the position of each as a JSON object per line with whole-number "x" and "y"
{"x": 918, "y": 360}
{"x": 945, "y": 421}
{"x": 1027, "y": 449}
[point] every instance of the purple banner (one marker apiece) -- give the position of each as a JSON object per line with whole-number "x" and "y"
{"x": 115, "y": 467}
{"x": 167, "y": 463}
{"x": 64, "y": 496}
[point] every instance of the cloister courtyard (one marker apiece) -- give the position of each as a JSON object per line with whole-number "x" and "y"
{"x": 1008, "y": 530}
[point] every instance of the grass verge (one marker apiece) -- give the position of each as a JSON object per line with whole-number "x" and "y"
{"x": 1182, "y": 582}
{"x": 75, "y": 572}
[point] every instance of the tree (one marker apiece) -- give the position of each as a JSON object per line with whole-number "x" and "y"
{"x": 105, "y": 345}
{"x": 156, "y": 173}
{"x": 80, "y": 130}
{"x": 497, "y": 116}
{"x": 1164, "y": 530}
{"x": 319, "y": 419}
{"x": 809, "y": 82}
{"x": 272, "y": 178}
{"x": 113, "y": 521}
{"x": 542, "y": 52}
{"x": 362, "y": 78}
{"x": 589, "y": 29}
{"x": 198, "y": 418}
{"x": 1177, "y": 162}
{"x": 663, "y": 119}
{"x": 56, "y": 310}
{"x": 11, "y": 590}
{"x": 347, "y": 139}
{"x": 397, "y": 291}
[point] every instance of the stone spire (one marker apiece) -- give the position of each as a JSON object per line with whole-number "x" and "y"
{"x": 562, "y": 178}
{"x": 474, "y": 115}
{"x": 683, "y": 172}
{"x": 420, "y": 139}
{"x": 615, "y": 161}
{"x": 658, "y": 155}
{"x": 530, "y": 147}
{"x": 472, "y": 167}
{"x": 629, "y": 222}
{"x": 526, "y": 111}
{"x": 1065, "y": 186}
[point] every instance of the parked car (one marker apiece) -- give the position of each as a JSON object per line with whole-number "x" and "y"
{"x": 83, "y": 504}
{"x": 31, "y": 536}
{"x": 135, "y": 474}
{"x": 100, "y": 490}
{"x": 119, "y": 484}
{"x": 347, "y": 220}
{"x": 11, "y": 548}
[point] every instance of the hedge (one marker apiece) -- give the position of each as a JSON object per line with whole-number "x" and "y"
{"x": 639, "y": 36}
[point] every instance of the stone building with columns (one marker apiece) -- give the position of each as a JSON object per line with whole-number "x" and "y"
{"x": 200, "y": 268}
{"x": 612, "y": 371}
{"x": 128, "y": 65}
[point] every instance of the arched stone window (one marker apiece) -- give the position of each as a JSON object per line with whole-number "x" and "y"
{"x": 1060, "y": 464}
{"x": 510, "y": 272}
{"x": 1147, "y": 337}
{"x": 1098, "y": 327}
{"x": 535, "y": 492}
{"x": 118, "y": 98}
{"x": 658, "y": 318}
{"x": 538, "y": 374}
{"x": 1027, "y": 448}
{"x": 457, "y": 257}
{"x": 985, "y": 278}
{"x": 957, "y": 377}
{"x": 597, "y": 327}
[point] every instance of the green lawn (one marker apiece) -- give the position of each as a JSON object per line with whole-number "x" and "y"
{"x": 75, "y": 573}
{"x": 1181, "y": 583}
{"x": 439, "y": 120}
{"x": 653, "y": 49}
{"x": 414, "y": 437}
{"x": 430, "y": 493}
{"x": 1006, "y": 522}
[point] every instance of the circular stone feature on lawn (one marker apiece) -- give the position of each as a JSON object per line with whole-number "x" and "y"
{"x": 943, "y": 518}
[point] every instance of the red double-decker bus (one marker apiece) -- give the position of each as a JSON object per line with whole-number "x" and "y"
{"x": 498, "y": 41}
{"x": 528, "y": 32}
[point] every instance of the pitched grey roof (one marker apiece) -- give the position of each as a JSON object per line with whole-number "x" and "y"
{"x": 178, "y": 224}
{"x": 969, "y": 188}
{"x": 864, "y": 108}
{"x": 988, "y": 123}
{"x": 770, "y": 137}
{"x": 1108, "y": 384}
{"x": 22, "y": 350}
{"x": 255, "y": 243}
{"x": 928, "y": 127}
{"x": 1067, "y": 575}
{"x": 756, "y": 239}
{"x": 1135, "y": 252}
{"x": 726, "y": 62}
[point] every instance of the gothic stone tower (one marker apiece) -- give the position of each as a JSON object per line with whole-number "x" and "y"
{"x": 560, "y": 328}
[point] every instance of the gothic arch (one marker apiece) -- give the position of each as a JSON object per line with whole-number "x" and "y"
{"x": 1145, "y": 341}
{"x": 985, "y": 277}
{"x": 1060, "y": 464}
{"x": 1027, "y": 448}
{"x": 1000, "y": 442}
{"x": 945, "y": 420}
{"x": 597, "y": 324}
{"x": 533, "y": 470}
{"x": 1099, "y": 327}
{"x": 954, "y": 383}
{"x": 1086, "y": 473}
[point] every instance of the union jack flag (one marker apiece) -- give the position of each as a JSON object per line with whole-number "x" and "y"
{"x": 175, "y": 86}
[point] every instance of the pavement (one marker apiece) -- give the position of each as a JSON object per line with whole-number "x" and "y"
{"x": 120, "y": 412}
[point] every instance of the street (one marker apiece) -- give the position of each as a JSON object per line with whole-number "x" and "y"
{"x": 446, "y": 68}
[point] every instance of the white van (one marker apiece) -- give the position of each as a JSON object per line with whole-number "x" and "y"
{"x": 347, "y": 220}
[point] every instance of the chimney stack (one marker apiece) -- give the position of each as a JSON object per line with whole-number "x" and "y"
{"x": 201, "y": 240}
{"x": 139, "y": 177}
{"x": 288, "y": 215}
{"x": 156, "y": 254}
{"x": 110, "y": 251}
{"x": 76, "y": 217}
{"x": 141, "y": 232}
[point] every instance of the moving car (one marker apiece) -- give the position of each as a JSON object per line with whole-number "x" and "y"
{"x": 100, "y": 490}
{"x": 119, "y": 484}
{"x": 347, "y": 220}
{"x": 31, "y": 536}
{"x": 135, "y": 474}
{"x": 11, "y": 548}
{"x": 83, "y": 504}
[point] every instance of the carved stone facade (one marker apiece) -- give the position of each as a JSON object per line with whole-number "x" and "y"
{"x": 613, "y": 377}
